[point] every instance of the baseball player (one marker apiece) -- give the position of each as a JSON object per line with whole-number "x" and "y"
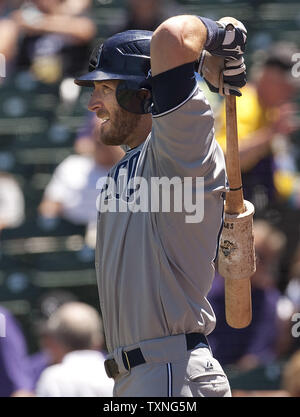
{"x": 155, "y": 268}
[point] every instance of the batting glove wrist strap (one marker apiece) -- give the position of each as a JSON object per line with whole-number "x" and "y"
{"x": 225, "y": 38}
{"x": 215, "y": 33}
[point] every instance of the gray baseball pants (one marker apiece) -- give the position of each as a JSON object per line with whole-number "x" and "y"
{"x": 171, "y": 370}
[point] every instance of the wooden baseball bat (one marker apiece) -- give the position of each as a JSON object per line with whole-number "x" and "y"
{"x": 234, "y": 198}
{"x": 236, "y": 255}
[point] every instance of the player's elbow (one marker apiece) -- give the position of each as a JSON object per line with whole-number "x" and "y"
{"x": 177, "y": 41}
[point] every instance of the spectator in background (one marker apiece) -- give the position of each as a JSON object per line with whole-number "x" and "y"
{"x": 55, "y": 37}
{"x": 292, "y": 291}
{"x": 264, "y": 112}
{"x": 8, "y": 34}
{"x": 291, "y": 375}
{"x": 12, "y": 205}
{"x": 293, "y": 287}
{"x": 84, "y": 142}
{"x": 47, "y": 305}
{"x": 73, "y": 190}
{"x": 15, "y": 376}
{"x": 264, "y": 339}
{"x": 74, "y": 340}
{"x": 143, "y": 14}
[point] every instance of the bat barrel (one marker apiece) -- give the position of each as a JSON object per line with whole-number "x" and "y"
{"x": 238, "y": 302}
{"x": 236, "y": 263}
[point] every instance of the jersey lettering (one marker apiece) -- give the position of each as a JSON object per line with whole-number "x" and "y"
{"x": 129, "y": 165}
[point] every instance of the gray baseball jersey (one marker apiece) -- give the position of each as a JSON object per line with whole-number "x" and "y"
{"x": 154, "y": 268}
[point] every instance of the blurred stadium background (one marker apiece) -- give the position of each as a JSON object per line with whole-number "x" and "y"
{"x": 39, "y": 121}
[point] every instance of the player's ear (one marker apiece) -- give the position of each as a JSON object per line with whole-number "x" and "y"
{"x": 144, "y": 94}
{"x": 146, "y": 99}
{"x": 133, "y": 98}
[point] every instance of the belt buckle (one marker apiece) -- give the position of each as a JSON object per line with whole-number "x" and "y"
{"x": 111, "y": 368}
{"x": 127, "y": 360}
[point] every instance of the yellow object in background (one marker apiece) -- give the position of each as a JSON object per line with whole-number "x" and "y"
{"x": 250, "y": 116}
{"x": 47, "y": 69}
{"x": 284, "y": 183}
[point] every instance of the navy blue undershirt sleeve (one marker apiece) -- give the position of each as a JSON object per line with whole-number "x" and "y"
{"x": 172, "y": 88}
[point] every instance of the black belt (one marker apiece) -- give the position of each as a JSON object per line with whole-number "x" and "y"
{"x": 135, "y": 357}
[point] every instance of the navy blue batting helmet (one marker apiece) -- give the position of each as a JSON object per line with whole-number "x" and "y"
{"x": 126, "y": 57}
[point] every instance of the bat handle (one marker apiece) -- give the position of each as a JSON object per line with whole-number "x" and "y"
{"x": 234, "y": 198}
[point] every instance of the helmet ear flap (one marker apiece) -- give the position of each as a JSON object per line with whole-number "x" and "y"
{"x": 133, "y": 98}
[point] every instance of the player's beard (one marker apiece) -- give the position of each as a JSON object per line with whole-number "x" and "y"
{"x": 119, "y": 128}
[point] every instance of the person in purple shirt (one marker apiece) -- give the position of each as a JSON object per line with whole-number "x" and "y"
{"x": 15, "y": 376}
{"x": 253, "y": 344}
{"x": 256, "y": 344}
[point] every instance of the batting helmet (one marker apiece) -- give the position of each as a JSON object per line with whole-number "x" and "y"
{"x": 126, "y": 57}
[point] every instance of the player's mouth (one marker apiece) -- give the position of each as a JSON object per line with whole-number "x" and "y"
{"x": 104, "y": 120}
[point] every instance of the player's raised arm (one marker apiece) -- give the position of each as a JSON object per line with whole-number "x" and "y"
{"x": 177, "y": 41}
{"x": 216, "y": 46}
{"x": 183, "y": 44}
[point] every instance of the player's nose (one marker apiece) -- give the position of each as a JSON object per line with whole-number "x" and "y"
{"x": 95, "y": 103}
